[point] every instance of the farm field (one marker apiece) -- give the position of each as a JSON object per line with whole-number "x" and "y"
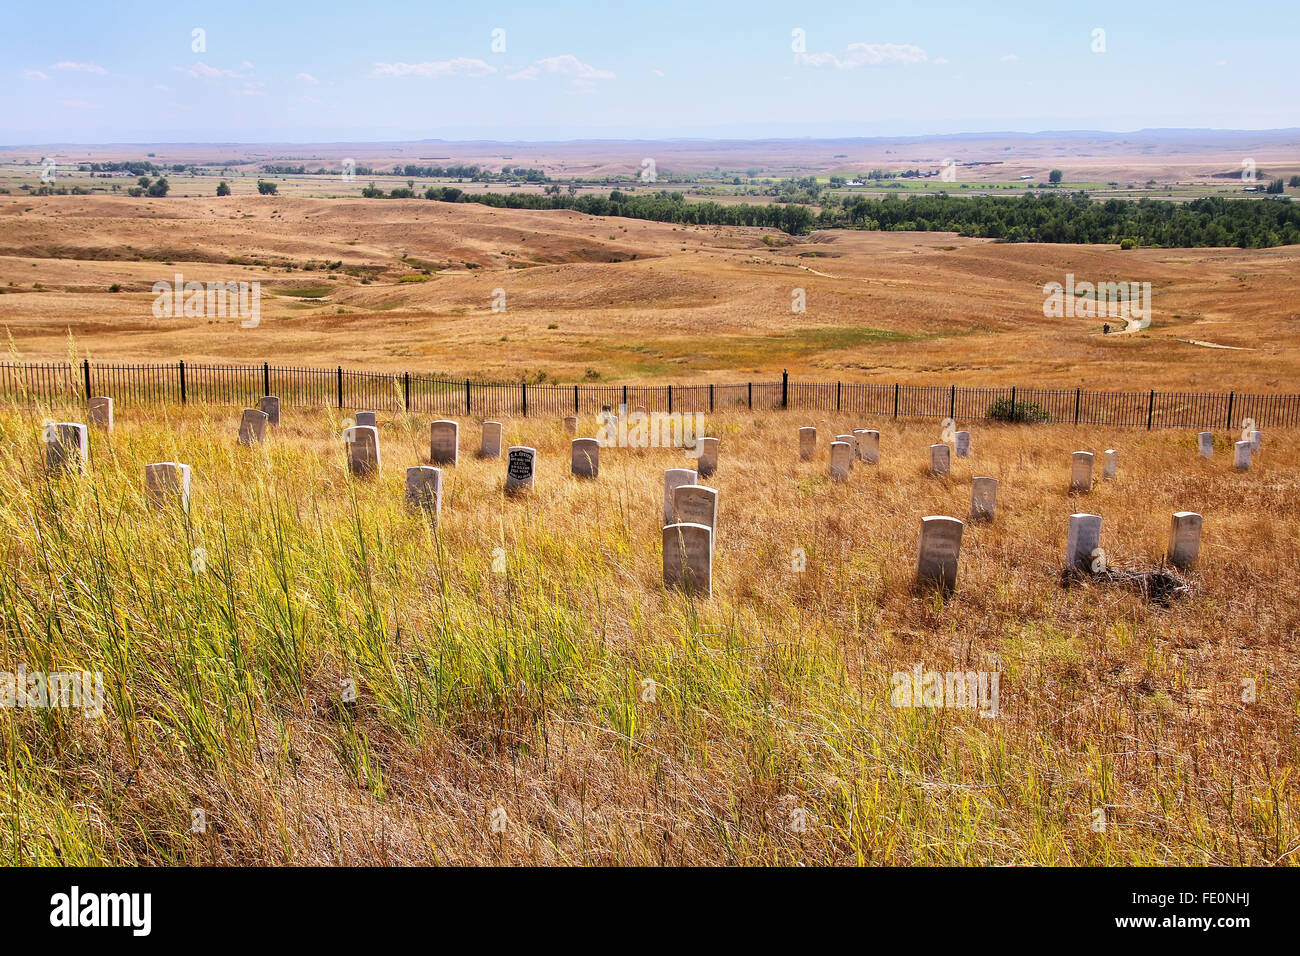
{"x": 563, "y": 707}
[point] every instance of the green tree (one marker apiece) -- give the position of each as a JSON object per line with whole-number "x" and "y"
{"x": 265, "y": 188}
{"x": 1054, "y": 177}
{"x": 160, "y": 187}
{"x": 223, "y": 188}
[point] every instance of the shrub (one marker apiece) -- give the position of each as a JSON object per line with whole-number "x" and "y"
{"x": 223, "y": 188}
{"x": 115, "y": 287}
{"x": 1128, "y": 243}
{"x": 265, "y": 188}
{"x": 1005, "y": 410}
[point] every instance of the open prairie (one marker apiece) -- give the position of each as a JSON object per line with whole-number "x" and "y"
{"x": 412, "y": 284}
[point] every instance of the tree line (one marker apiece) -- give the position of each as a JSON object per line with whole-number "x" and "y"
{"x": 1066, "y": 218}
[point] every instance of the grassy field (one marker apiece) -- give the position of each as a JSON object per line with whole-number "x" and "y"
{"x": 506, "y": 716}
{"x": 607, "y": 300}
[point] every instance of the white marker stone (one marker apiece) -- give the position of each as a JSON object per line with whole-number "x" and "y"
{"x": 362, "y": 443}
{"x": 424, "y": 489}
{"x": 1205, "y": 442}
{"x": 696, "y": 504}
{"x": 1241, "y": 456}
{"x": 1084, "y": 537}
{"x": 271, "y": 405}
{"x": 688, "y": 558}
{"x": 940, "y": 460}
{"x": 491, "y": 445}
{"x": 674, "y": 478}
{"x": 841, "y": 460}
{"x": 852, "y": 441}
{"x": 67, "y": 446}
{"x": 1184, "y": 539}
{"x": 586, "y": 458}
{"x": 571, "y": 424}
{"x": 936, "y": 557}
{"x": 521, "y": 468}
{"x": 167, "y": 484}
{"x": 708, "y": 461}
{"x": 961, "y": 442}
{"x": 368, "y": 419}
{"x": 859, "y": 442}
{"x": 983, "y": 498}
{"x": 869, "y": 447}
{"x": 444, "y": 443}
{"x": 101, "y": 412}
{"x": 1256, "y": 439}
{"x": 1081, "y": 472}
{"x": 807, "y": 442}
{"x": 252, "y": 426}
{"x": 1111, "y": 464}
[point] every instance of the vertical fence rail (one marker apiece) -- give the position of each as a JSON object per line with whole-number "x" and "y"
{"x": 54, "y": 383}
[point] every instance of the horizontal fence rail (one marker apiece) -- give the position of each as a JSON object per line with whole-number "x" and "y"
{"x": 54, "y": 383}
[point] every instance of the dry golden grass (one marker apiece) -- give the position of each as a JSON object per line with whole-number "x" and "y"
{"x": 623, "y": 300}
{"x": 523, "y": 690}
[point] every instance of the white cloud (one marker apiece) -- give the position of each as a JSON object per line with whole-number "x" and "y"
{"x": 160, "y": 86}
{"x": 658, "y": 72}
{"x": 79, "y": 67}
{"x": 34, "y": 75}
{"x": 249, "y": 89}
{"x": 78, "y": 105}
{"x": 566, "y": 64}
{"x": 867, "y": 54}
{"x": 201, "y": 71}
{"x": 1010, "y": 58}
{"x": 435, "y": 69}
{"x": 940, "y": 60}
{"x": 307, "y": 78}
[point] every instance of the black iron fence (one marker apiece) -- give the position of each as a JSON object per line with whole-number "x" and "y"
{"x": 242, "y": 385}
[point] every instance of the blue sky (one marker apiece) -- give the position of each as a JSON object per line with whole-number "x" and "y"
{"x": 287, "y": 71}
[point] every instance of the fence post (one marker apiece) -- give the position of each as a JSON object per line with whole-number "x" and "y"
{"x": 1151, "y": 408}
{"x": 751, "y": 396}
{"x": 266, "y": 379}
{"x": 895, "y": 399}
{"x": 182, "y": 366}
{"x": 85, "y": 368}
{"x": 785, "y": 388}
{"x": 625, "y": 398}
{"x": 1013, "y": 403}
{"x": 710, "y": 396}
{"x": 467, "y": 402}
{"x": 340, "y": 386}
{"x": 670, "y": 399}
{"x": 952, "y": 403}
{"x": 575, "y": 399}
{"x": 1231, "y": 396}
{"x": 837, "y": 396}
{"x": 524, "y": 387}
{"x": 1078, "y": 394}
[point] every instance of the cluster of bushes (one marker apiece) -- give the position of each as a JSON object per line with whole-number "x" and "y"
{"x": 150, "y": 187}
{"x": 1006, "y": 410}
